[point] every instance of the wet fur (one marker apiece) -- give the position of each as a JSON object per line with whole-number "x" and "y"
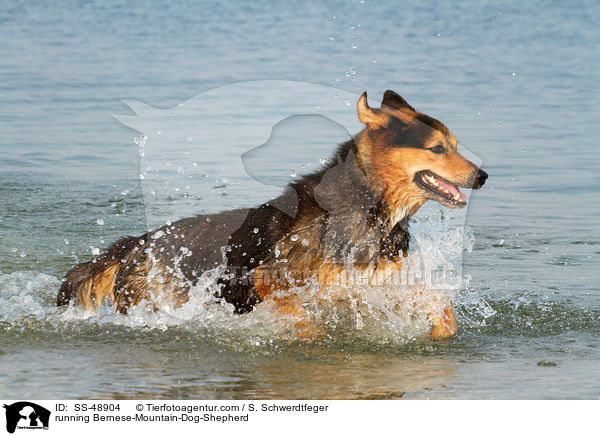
{"x": 357, "y": 205}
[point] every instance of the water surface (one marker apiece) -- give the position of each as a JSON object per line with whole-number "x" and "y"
{"x": 516, "y": 83}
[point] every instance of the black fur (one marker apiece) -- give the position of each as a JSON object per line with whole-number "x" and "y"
{"x": 393, "y": 100}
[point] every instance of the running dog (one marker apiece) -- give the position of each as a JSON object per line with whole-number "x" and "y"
{"x": 354, "y": 210}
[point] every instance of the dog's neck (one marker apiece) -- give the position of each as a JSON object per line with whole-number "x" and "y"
{"x": 390, "y": 218}
{"x": 348, "y": 182}
{"x": 343, "y": 195}
{"x": 396, "y": 205}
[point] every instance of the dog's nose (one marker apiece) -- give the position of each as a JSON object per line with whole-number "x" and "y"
{"x": 480, "y": 179}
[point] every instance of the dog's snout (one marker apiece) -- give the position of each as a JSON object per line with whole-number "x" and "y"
{"x": 480, "y": 179}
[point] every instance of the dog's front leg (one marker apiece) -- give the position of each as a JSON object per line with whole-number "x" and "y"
{"x": 287, "y": 305}
{"x": 443, "y": 323}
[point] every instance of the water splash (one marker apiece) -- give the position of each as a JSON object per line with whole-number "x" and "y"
{"x": 387, "y": 314}
{"x": 358, "y": 312}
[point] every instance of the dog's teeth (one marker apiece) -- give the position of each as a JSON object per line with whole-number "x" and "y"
{"x": 457, "y": 196}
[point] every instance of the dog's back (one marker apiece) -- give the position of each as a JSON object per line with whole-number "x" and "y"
{"x": 163, "y": 263}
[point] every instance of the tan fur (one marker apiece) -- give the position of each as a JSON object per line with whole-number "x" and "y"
{"x": 98, "y": 289}
{"x": 444, "y": 324}
{"x": 154, "y": 283}
{"x": 373, "y": 118}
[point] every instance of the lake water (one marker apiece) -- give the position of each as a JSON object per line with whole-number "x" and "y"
{"x": 517, "y": 84}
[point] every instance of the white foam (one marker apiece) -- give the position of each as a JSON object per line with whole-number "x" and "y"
{"x": 25, "y": 294}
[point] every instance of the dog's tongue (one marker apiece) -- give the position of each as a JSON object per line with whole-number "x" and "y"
{"x": 452, "y": 189}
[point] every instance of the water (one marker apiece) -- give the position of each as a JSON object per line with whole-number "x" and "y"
{"x": 516, "y": 83}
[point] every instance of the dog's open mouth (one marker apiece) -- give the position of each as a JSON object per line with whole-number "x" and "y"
{"x": 442, "y": 188}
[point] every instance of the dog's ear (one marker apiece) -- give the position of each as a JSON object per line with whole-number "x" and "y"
{"x": 393, "y": 100}
{"x": 373, "y": 118}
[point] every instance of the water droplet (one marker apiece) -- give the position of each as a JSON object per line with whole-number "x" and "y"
{"x": 294, "y": 237}
{"x": 305, "y": 242}
{"x": 255, "y": 230}
{"x": 140, "y": 140}
{"x": 100, "y": 221}
{"x": 293, "y": 173}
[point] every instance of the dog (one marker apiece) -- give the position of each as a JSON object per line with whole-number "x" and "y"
{"x": 354, "y": 212}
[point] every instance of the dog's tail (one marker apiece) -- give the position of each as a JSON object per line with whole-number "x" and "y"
{"x": 92, "y": 283}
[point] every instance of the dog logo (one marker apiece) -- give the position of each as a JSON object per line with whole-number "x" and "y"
{"x": 26, "y": 415}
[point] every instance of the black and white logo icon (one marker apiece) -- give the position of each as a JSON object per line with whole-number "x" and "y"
{"x": 26, "y": 415}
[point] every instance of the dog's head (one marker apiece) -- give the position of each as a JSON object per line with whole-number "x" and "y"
{"x": 413, "y": 156}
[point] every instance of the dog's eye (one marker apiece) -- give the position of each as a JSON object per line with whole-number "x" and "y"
{"x": 438, "y": 149}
